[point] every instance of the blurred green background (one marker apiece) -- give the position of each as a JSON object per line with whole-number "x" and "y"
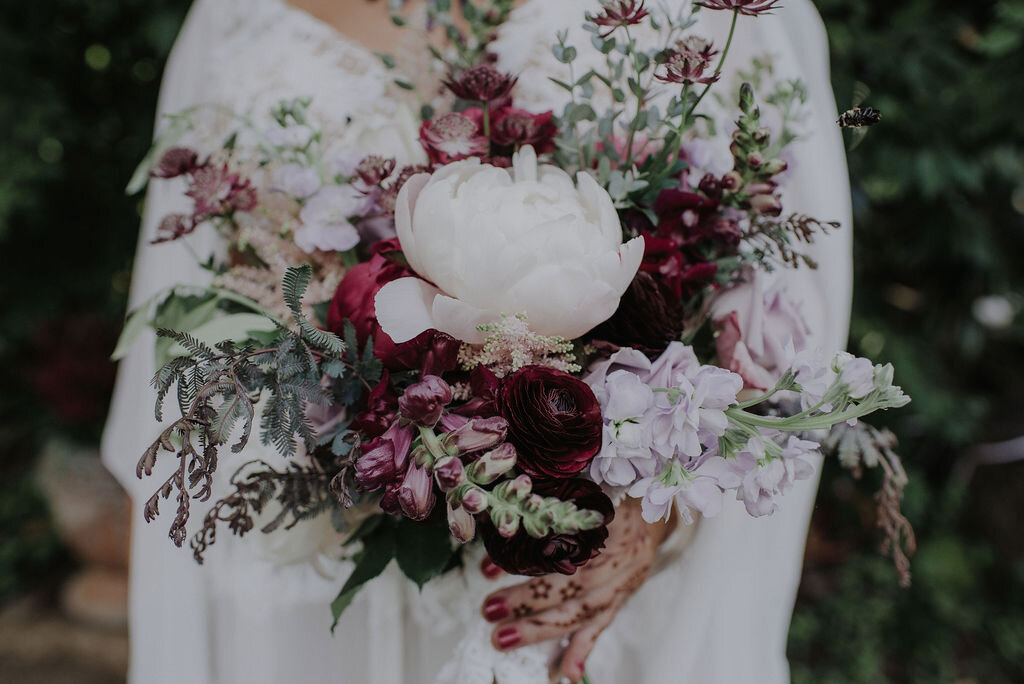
{"x": 939, "y": 204}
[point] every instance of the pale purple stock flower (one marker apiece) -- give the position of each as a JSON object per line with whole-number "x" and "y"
{"x": 325, "y": 219}
{"x": 856, "y": 373}
{"x": 764, "y": 479}
{"x": 295, "y": 180}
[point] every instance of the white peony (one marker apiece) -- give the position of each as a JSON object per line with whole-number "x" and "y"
{"x": 494, "y": 241}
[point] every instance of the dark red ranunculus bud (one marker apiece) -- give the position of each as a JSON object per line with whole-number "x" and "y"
{"x": 554, "y": 421}
{"x": 562, "y": 553}
{"x": 649, "y": 317}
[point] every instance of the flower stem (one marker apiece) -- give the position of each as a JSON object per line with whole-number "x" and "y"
{"x": 721, "y": 61}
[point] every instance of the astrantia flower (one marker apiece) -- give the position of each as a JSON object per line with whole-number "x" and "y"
{"x": 374, "y": 170}
{"x": 522, "y": 554}
{"x": 749, "y": 8}
{"x": 481, "y": 83}
{"x": 452, "y": 137}
{"x": 687, "y": 63}
{"x": 176, "y": 161}
{"x": 515, "y": 127}
{"x": 616, "y": 13}
{"x": 554, "y": 421}
{"x": 493, "y": 242}
{"x": 217, "y": 191}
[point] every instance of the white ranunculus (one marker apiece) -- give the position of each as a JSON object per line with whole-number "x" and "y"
{"x": 495, "y": 241}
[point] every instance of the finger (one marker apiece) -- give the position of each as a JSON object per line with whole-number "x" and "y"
{"x": 547, "y": 591}
{"x": 574, "y": 660}
{"x": 489, "y": 570}
{"x": 554, "y": 623}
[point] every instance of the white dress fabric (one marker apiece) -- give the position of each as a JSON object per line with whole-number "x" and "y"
{"x": 716, "y": 612}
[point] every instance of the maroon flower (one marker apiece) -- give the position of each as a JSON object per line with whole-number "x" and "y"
{"x": 384, "y": 458}
{"x": 380, "y": 410}
{"x": 416, "y": 493}
{"x": 432, "y": 352}
{"x": 217, "y": 191}
{"x": 511, "y": 127}
{"x": 482, "y": 83}
{"x": 562, "y": 553}
{"x": 749, "y": 8}
{"x": 616, "y": 13}
{"x": 649, "y": 317}
{"x": 374, "y": 170}
{"x": 174, "y": 226}
{"x": 687, "y": 63}
{"x": 554, "y": 421}
{"x": 176, "y": 161}
{"x": 452, "y": 137}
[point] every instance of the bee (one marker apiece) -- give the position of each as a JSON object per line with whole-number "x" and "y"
{"x": 858, "y": 119}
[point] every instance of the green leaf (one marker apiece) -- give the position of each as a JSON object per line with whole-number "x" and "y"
{"x": 378, "y": 550}
{"x": 423, "y": 549}
{"x": 365, "y": 529}
{"x": 137, "y": 321}
{"x": 236, "y": 327}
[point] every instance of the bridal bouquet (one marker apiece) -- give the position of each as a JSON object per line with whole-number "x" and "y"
{"x": 553, "y": 312}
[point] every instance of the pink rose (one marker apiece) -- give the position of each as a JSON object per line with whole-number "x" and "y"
{"x": 755, "y": 326}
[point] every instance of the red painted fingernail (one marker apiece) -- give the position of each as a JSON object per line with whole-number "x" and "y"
{"x": 489, "y": 569}
{"x": 495, "y": 609}
{"x": 508, "y": 637}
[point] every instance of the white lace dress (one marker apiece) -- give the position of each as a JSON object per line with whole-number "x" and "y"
{"x": 257, "y": 612}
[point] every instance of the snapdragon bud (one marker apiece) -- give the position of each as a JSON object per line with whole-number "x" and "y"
{"x": 479, "y": 434}
{"x": 375, "y": 467}
{"x": 472, "y": 498}
{"x": 506, "y": 521}
{"x": 493, "y": 464}
{"x": 461, "y": 523}
{"x": 732, "y": 181}
{"x": 416, "y": 495}
{"x": 515, "y": 490}
{"x": 449, "y": 473}
{"x": 774, "y": 166}
{"x": 424, "y": 402}
{"x": 766, "y": 205}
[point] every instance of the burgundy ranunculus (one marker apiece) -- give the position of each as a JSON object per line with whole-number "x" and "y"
{"x": 554, "y": 421}
{"x": 561, "y": 553}
{"x": 432, "y": 352}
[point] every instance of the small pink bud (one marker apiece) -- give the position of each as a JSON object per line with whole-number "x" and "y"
{"x": 449, "y": 473}
{"x": 732, "y": 181}
{"x": 493, "y": 464}
{"x": 506, "y": 521}
{"x": 474, "y": 500}
{"x": 461, "y": 523}
{"x": 768, "y": 205}
{"x": 761, "y": 188}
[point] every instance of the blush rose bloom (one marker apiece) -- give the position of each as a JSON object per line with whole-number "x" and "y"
{"x": 495, "y": 241}
{"x": 759, "y": 329}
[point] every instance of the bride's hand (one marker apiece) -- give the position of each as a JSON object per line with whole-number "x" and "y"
{"x": 578, "y": 606}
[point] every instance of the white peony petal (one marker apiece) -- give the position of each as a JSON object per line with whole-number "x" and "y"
{"x": 407, "y": 198}
{"x": 600, "y": 208}
{"x": 460, "y": 320}
{"x": 404, "y": 308}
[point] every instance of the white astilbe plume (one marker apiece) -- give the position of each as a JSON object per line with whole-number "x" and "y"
{"x": 511, "y": 345}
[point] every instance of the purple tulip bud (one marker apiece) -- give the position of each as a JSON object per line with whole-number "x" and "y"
{"x": 449, "y": 473}
{"x": 474, "y": 499}
{"x": 768, "y": 205}
{"x": 732, "y": 181}
{"x": 416, "y": 495}
{"x": 424, "y": 402}
{"x": 461, "y": 523}
{"x": 479, "y": 433}
{"x": 376, "y": 466}
{"x": 493, "y": 464}
{"x": 506, "y": 521}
